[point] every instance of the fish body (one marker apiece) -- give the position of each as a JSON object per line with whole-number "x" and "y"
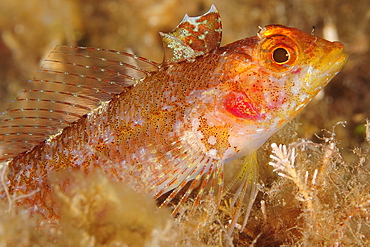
{"x": 160, "y": 127}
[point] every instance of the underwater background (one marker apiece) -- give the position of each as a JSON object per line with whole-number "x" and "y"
{"x": 327, "y": 203}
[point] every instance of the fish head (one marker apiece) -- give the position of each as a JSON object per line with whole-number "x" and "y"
{"x": 268, "y": 79}
{"x": 304, "y": 62}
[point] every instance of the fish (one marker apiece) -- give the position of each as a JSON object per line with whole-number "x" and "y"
{"x": 170, "y": 128}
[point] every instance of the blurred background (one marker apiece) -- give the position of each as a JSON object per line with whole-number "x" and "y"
{"x": 30, "y": 29}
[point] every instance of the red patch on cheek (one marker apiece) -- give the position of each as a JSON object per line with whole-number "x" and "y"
{"x": 241, "y": 106}
{"x": 296, "y": 71}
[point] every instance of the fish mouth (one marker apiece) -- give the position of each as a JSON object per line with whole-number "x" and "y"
{"x": 335, "y": 60}
{"x": 326, "y": 67}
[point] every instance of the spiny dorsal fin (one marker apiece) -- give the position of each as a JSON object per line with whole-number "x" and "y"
{"x": 72, "y": 82}
{"x": 194, "y": 36}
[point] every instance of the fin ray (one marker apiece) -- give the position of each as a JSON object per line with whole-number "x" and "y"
{"x": 246, "y": 183}
{"x": 72, "y": 82}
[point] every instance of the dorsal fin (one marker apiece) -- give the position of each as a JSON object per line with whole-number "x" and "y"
{"x": 194, "y": 36}
{"x": 72, "y": 82}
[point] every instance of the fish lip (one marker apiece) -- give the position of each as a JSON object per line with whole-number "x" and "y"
{"x": 329, "y": 64}
{"x": 338, "y": 55}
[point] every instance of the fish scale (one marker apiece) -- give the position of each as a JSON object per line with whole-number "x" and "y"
{"x": 163, "y": 128}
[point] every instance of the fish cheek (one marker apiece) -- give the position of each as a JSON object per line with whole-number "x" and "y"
{"x": 242, "y": 100}
{"x": 241, "y": 106}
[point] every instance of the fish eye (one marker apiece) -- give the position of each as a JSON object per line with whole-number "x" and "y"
{"x": 280, "y": 55}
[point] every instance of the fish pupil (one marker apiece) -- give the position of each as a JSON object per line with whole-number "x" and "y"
{"x": 280, "y": 55}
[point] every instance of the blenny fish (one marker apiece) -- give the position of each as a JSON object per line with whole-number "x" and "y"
{"x": 164, "y": 128}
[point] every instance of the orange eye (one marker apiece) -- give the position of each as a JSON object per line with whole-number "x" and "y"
{"x": 278, "y": 53}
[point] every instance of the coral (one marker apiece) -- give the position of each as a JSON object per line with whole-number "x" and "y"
{"x": 319, "y": 197}
{"x": 94, "y": 211}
